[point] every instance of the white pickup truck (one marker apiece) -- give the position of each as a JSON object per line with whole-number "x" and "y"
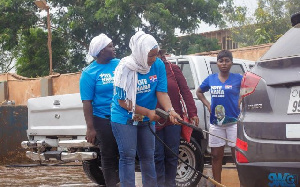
{"x": 56, "y": 126}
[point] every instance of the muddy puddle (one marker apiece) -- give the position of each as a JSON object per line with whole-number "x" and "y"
{"x": 68, "y": 175}
{"x": 72, "y": 175}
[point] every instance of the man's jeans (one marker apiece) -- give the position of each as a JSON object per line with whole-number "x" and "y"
{"x": 132, "y": 139}
{"x": 165, "y": 161}
{"x": 108, "y": 151}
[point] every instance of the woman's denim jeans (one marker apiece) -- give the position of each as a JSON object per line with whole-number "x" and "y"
{"x": 165, "y": 161}
{"x": 132, "y": 139}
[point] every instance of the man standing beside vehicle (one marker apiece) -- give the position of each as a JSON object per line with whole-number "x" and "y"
{"x": 224, "y": 108}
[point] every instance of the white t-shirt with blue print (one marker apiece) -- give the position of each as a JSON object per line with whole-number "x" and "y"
{"x": 96, "y": 84}
{"x": 224, "y": 98}
{"x": 148, "y": 85}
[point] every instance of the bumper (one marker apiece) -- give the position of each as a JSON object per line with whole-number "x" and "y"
{"x": 269, "y": 174}
{"x": 61, "y": 143}
{"x": 59, "y": 155}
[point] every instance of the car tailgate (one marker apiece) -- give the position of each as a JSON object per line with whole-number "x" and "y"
{"x": 56, "y": 115}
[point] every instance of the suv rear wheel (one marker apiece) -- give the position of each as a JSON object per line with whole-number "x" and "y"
{"x": 92, "y": 168}
{"x": 191, "y": 154}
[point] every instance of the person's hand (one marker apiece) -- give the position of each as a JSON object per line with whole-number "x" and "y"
{"x": 152, "y": 115}
{"x": 208, "y": 107}
{"x": 138, "y": 117}
{"x": 90, "y": 135}
{"x": 173, "y": 116}
{"x": 195, "y": 120}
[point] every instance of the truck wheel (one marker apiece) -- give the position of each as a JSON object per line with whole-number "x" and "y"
{"x": 190, "y": 153}
{"x": 92, "y": 168}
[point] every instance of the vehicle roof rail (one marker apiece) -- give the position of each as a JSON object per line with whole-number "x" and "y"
{"x": 176, "y": 57}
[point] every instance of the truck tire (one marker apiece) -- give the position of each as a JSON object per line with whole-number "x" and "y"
{"x": 92, "y": 168}
{"x": 190, "y": 153}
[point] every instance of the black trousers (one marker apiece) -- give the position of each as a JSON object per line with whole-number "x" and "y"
{"x": 108, "y": 151}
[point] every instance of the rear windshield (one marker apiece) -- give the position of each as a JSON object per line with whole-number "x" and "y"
{"x": 279, "y": 71}
{"x": 286, "y": 46}
{"x": 235, "y": 68}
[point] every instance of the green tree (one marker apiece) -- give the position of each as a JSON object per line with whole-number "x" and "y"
{"x": 194, "y": 43}
{"x": 269, "y": 22}
{"x": 16, "y": 16}
{"x": 6, "y": 61}
{"x": 34, "y": 58}
{"x": 120, "y": 19}
{"x": 77, "y": 22}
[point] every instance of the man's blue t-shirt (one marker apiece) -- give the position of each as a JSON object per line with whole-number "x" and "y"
{"x": 96, "y": 84}
{"x": 148, "y": 85}
{"x": 224, "y": 98}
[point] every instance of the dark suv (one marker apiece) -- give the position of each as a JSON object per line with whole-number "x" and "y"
{"x": 268, "y": 141}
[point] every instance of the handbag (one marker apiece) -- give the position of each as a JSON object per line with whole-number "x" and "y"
{"x": 186, "y": 132}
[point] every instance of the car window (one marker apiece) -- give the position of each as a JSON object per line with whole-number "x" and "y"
{"x": 187, "y": 73}
{"x": 235, "y": 68}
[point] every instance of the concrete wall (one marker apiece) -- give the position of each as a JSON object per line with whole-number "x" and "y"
{"x": 250, "y": 53}
{"x": 20, "y": 89}
{"x": 66, "y": 84}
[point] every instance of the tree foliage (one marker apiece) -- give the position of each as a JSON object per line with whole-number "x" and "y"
{"x": 194, "y": 43}
{"x": 120, "y": 19}
{"x": 6, "y": 61}
{"x": 269, "y": 22}
{"x": 34, "y": 57}
{"x": 75, "y": 23}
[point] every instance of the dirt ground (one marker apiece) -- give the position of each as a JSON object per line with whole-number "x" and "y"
{"x": 71, "y": 175}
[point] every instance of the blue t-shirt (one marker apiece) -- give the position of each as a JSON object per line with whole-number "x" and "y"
{"x": 96, "y": 84}
{"x": 148, "y": 85}
{"x": 224, "y": 98}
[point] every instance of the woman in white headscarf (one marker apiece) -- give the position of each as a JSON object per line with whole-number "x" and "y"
{"x": 140, "y": 82}
{"x": 96, "y": 91}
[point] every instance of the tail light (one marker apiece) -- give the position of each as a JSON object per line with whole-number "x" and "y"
{"x": 242, "y": 145}
{"x": 240, "y": 158}
{"x": 249, "y": 83}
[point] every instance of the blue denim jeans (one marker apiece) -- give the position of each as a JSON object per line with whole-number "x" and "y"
{"x": 165, "y": 161}
{"x": 132, "y": 139}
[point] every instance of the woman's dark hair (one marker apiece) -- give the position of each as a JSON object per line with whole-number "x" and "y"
{"x": 224, "y": 53}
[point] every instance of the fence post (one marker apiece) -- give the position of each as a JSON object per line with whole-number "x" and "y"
{"x": 3, "y": 91}
{"x": 46, "y": 87}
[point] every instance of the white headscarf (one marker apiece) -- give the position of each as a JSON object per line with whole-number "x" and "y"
{"x": 126, "y": 72}
{"x": 98, "y": 43}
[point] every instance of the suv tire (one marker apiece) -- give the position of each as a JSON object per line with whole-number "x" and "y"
{"x": 92, "y": 168}
{"x": 192, "y": 154}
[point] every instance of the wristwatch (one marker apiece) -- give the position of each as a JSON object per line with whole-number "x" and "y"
{"x": 171, "y": 109}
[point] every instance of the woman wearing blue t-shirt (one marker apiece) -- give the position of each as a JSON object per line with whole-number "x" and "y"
{"x": 96, "y": 91}
{"x": 224, "y": 108}
{"x": 141, "y": 82}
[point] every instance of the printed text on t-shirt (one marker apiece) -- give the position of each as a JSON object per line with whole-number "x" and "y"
{"x": 143, "y": 86}
{"x": 216, "y": 91}
{"x": 106, "y": 78}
